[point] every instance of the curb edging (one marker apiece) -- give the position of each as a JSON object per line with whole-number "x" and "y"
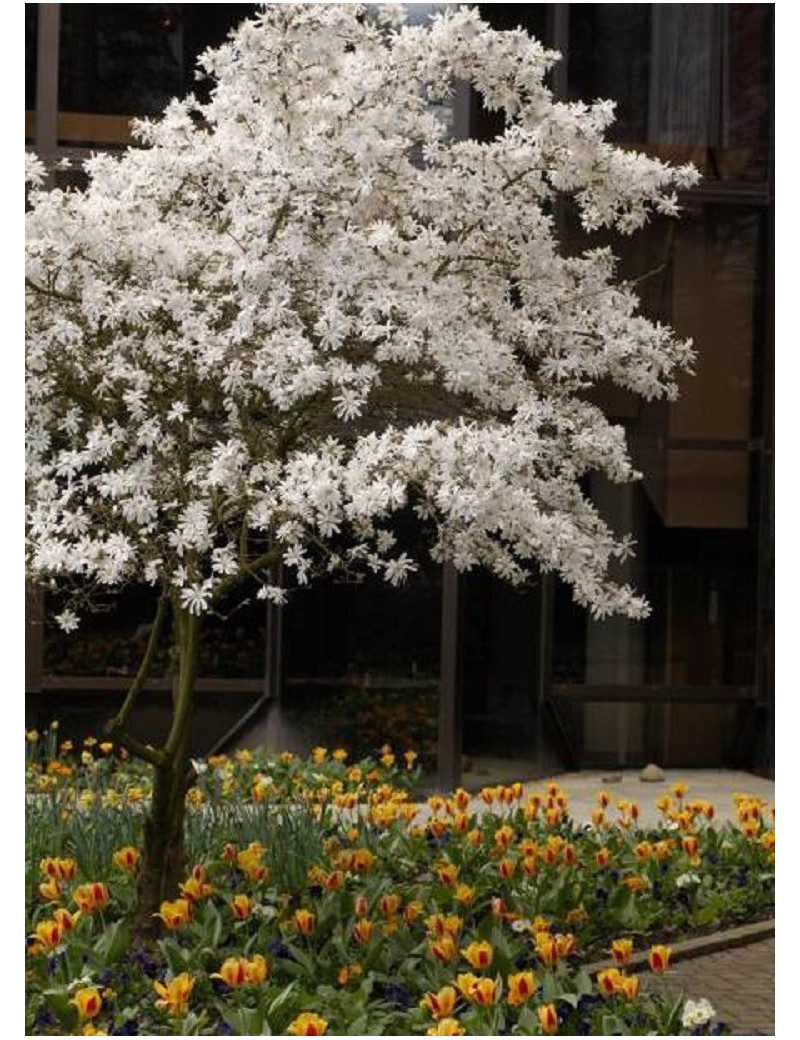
{"x": 728, "y": 939}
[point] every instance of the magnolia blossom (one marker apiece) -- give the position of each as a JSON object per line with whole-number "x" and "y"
{"x": 302, "y": 308}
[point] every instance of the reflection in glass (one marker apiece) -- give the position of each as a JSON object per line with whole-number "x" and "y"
{"x": 111, "y": 641}
{"x": 691, "y": 81}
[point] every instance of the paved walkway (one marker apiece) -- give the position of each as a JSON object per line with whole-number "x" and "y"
{"x": 713, "y": 785}
{"x": 739, "y": 983}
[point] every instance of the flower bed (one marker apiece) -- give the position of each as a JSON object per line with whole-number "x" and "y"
{"x": 320, "y": 898}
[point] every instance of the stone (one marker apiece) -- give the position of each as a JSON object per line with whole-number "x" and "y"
{"x": 611, "y": 778}
{"x": 651, "y": 773}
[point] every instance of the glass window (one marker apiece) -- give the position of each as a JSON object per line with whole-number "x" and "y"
{"x": 111, "y": 641}
{"x": 691, "y": 81}
{"x": 31, "y": 29}
{"x": 123, "y": 60}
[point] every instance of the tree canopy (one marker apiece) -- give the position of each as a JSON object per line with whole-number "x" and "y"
{"x": 291, "y": 312}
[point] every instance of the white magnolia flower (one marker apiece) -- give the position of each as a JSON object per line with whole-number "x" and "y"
{"x": 67, "y": 620}
{"x": 274, "y": 337}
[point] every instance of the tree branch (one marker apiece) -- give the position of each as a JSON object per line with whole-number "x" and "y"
{"x": 147, "y": 753}
{"x": 119, "y": 720}
{"x": 246, "y": 570}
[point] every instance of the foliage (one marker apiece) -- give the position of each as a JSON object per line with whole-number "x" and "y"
{"x": 319, "y": 888}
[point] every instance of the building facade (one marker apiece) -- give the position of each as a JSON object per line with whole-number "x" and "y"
{"x": 465, "y": 664}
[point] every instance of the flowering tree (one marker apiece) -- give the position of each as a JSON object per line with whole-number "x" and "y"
{"x": 301, "y": 308}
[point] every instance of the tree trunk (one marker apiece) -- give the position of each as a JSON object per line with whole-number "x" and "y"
{"x": 163, "y": 859}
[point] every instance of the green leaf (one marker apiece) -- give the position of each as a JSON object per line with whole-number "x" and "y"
{"x": 58, "y": 1002}
{"x": 613, "y": 1026}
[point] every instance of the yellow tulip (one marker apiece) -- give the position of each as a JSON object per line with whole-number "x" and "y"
{"x": 548, "y": 1018}
{"x": 88, "y": 1002}
{"x": 622, "y": 950}
{"x": 658, "y": 958}
{"x": 304, "y": 921}
{"x": 446, "y": 1027}
{"x": 308, "y": 1024}
{"x": 479, "y": 954}
{"x": 174, "y": 996}
{"x": 233, "y": 972}
{"x": 127, "y": 858}
{"x": 521, "y": 987}
{"x": 175, "y": 914}
{"x": 440, "y": 1004}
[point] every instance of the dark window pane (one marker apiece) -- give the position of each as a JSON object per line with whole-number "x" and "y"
{"x": 486, "y": 125}
{"x": 609, "y": 57}
{"x": 124, "y": 60}
{"x": 111, "y": 641}
{"x": 31, "y": 27}
{"x": 691, "y": 81}
{"x": 120, "y": 59}
{"x": 204, "y": 26}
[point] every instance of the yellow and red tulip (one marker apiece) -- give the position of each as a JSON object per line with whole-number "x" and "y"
{"x": 127, "y": 858}
{"x": 362, "y": 931}
{"x": 446, "y": 1027}
{"x": 440, "y": 1004}
{"x": 308, "y": 1024}
{"x": 658, "y": 958}
{"x": 90, "y": 897}
{"x": 521, "y": 987}
{"x": 175, "y": 913}
{"x": 173, "y": 996}
{"x": 304, "y": 921}
{"x": 242, "y": 906}
{"x": 233, "y": 972}
{"x": 88, "y": 1002}
{"x": 548, "y": 1018}
{"x": 479, "y": 954}
{"x": 622, "y": 950}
